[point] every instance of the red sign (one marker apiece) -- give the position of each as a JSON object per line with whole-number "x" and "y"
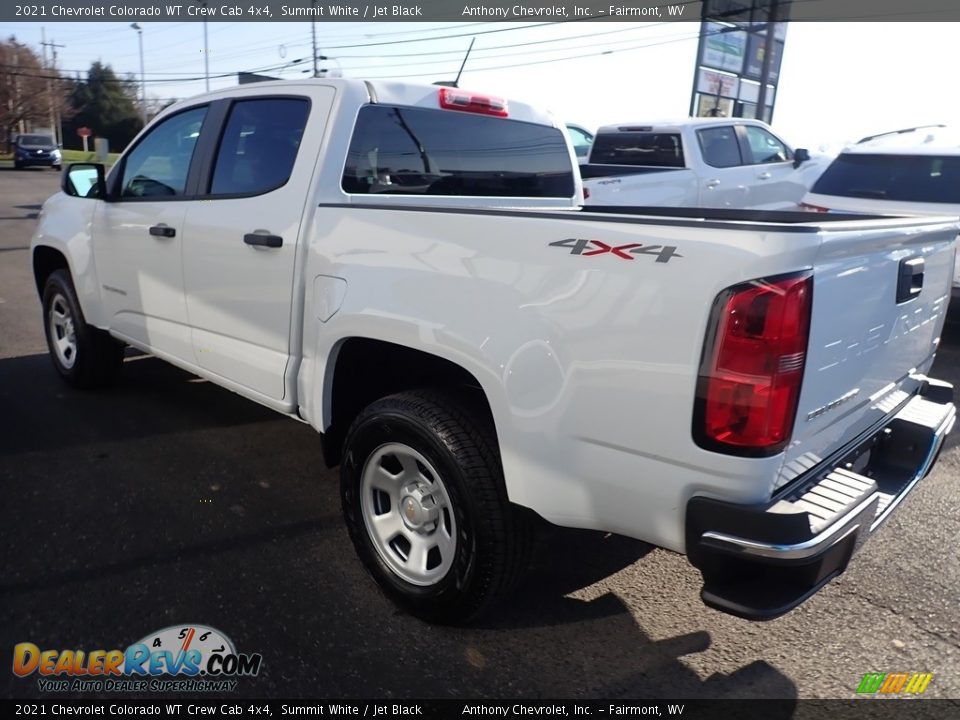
{"x": 84, "y": 132}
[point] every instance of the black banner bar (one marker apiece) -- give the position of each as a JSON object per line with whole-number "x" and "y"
{"x": 880, "y": 709}
{"x": 533, "y": 11}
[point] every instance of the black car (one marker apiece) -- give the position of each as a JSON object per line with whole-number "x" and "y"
{"x": 36, "y": 150}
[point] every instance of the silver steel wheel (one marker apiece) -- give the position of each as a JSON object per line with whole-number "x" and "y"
{"x": 63, "y": 333}
{"x": 408, "y": 514}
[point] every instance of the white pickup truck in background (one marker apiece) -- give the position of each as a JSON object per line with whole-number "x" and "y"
{"x": 408, "y": 270}
{"x": 697, "y": 162}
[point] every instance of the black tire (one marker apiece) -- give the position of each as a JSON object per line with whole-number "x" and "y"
{"x": 97, "y": 356}
{"x": 17, "y": 166}
{"x": 493, "y": 536}
{"x": 56, "y": 167}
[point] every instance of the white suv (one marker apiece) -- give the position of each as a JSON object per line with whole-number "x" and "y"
{"x": 912, "y": 171}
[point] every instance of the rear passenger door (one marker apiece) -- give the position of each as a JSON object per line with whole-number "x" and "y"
{"x": 244, "y": 232}
{"x": 725, "y": 180}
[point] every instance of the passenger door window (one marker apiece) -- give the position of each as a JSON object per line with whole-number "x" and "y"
{"x": 580, "y": 140}
{"x": 158, "y": 166}
{"x": 720, "y": 146}
{"x": 259, "y": 146}
{"x": 764, "y": 147}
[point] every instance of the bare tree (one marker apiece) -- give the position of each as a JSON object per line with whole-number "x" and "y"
{"x": 28, "y": 90}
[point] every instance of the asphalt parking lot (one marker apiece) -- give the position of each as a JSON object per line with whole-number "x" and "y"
{"x": 168, "y": 500}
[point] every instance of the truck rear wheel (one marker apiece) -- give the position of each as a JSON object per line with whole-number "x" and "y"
{"x": 85, "y": 356}
{"x": 426, "y": 506}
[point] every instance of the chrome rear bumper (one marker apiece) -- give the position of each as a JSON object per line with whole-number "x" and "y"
{"x": 759, "y": 562}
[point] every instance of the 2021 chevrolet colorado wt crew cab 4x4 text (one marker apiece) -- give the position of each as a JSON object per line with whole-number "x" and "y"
{"x": 408, "y": 270}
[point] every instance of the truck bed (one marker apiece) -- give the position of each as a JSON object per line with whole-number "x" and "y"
{"x": 589, "y": 171}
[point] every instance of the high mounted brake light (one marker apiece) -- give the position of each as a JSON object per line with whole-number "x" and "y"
{"x": 752, "y": 366}
{"x": 457, "y": 99}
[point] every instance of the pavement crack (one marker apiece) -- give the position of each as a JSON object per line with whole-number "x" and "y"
{"x": 896, "y": 611}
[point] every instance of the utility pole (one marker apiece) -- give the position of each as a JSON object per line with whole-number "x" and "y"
{"x": 313, "y": 33}
{"x": 206, "y": 55}
{"x": 206, "y": 49}
{"x": 16, "y": 89}
{"x": 143, "y": 84}
{"x": 43, "y": 43}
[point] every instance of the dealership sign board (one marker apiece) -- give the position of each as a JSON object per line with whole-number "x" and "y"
{"x": 714, "y": 83}
{"x": 733, "y": 55}
{"x": 724, "y": 48}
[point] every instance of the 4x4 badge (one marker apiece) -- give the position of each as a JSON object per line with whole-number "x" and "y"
{"x": 579, "y": 246}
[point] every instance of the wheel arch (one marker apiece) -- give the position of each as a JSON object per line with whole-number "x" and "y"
{"x": 360, "y": 370}
{"x": 46, "y": 260}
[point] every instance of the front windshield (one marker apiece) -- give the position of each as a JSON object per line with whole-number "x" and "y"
{"x": 36, "y": 140}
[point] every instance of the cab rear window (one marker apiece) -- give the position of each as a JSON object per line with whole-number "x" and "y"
{"x": 904, "y": 178}
{"x": 638, "y": 148}
{"x": 417, "y": 151}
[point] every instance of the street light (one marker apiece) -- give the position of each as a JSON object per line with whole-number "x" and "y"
{"x": 143, "y": 86}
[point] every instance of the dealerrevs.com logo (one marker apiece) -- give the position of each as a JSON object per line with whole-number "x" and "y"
{"x": 903, "y": 684}
{"x": 180, "y": 658}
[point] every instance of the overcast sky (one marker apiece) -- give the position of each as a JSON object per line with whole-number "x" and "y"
{"x": 839, "y": 81}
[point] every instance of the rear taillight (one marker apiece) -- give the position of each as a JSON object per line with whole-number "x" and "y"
{"x": 807, "y": 207}
{"x": 456, "y": 99}
{"x": 752, "y": 366}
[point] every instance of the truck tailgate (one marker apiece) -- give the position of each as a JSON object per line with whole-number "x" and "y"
{"x": 879, "y": 302}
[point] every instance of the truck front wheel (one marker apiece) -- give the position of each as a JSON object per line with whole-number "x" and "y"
{"x": 426, "y": 506}
{"x": 85, "y": 356}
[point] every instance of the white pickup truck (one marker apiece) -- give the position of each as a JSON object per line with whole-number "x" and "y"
{"x": 407, "y": 269}
{"x": 697, "y": 162}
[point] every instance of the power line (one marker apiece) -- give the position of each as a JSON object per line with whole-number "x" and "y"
{"x": 459, "y": 51}
{"x": 99, "y": 39}
{"x": 551, "y": 60}
{"x": 159, "y": 81}
{"x": 291, "y": 65}
{"x": 523, "y": 53}
{"x": 446, "y": 37}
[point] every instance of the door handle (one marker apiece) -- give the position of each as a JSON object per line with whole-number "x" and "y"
{"x": 712, "y": 183}
{"x": 764, "y": 176}
{"x": 910, "y": 279}
{"x": 263, "y": 240}
{"x": 163, "y": 230}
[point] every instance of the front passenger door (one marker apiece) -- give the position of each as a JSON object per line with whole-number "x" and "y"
{"x": 138, "y": 236}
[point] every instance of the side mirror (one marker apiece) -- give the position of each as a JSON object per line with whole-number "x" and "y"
{"x": 84, "y": 180}
{"x": 800, "y": 156}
